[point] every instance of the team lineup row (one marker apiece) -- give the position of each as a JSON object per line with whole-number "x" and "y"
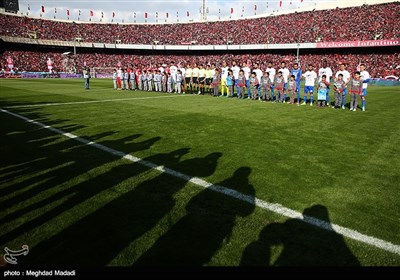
{"x": 268, "y": 85}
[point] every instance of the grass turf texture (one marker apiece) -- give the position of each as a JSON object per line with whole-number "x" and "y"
{"x": 74, "y": 204}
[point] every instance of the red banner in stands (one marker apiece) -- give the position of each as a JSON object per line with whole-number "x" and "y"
{"x": 358, "y": 44}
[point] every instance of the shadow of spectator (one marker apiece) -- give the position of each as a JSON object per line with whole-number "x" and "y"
{"x": 43, "y": 143}
{"x": 100, "y": 236}
{"x": 210, "y": 219}
{"x": 297, "y": 243}
{"x": 76, "y": 194}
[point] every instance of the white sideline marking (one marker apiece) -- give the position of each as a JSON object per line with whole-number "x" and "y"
{"x": 274, "y": 207}
{"x": 92, "y": 101}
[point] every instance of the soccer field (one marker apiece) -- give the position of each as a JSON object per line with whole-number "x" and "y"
{"x": 167, "y": 179}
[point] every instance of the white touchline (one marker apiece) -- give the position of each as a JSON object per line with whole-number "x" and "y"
{"x": 92, "y": 101}
{"x": 274, "y": 207}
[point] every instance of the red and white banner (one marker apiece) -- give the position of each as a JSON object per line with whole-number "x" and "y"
{"x": 359, "y": 44}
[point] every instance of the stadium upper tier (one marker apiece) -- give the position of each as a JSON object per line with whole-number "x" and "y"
{"x": 367, "y": 22}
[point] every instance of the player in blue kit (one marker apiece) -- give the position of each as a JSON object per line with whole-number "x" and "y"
{"x": 296, "y": 72}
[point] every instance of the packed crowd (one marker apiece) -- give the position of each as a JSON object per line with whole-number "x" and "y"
{"x": 367, "y": 22}
{"x": 379, "y": 65}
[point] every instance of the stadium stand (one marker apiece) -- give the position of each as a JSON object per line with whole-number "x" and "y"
{"x": 30, "y": 53}
{"x": 381, "y": 63}
{"x": 322, "y": 25}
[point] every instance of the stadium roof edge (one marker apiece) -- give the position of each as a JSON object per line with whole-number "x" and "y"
{"x": 306, "y": 8}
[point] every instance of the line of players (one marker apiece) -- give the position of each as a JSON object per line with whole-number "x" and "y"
{"x": 281, "y": 86}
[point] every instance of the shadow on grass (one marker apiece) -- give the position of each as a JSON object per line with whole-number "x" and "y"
{"x": 74, "y": 195}
{"x": 98, "y": 238}
{"x": 74, "y": 165}
{"x": 209, "y": 222}
{"x": 23, "y": 154}
{"x": 297, "y": 243}
{"x": 52, "y": 164}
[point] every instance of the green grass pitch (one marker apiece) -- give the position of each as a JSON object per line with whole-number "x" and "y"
{"x": 75, "y": 204}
